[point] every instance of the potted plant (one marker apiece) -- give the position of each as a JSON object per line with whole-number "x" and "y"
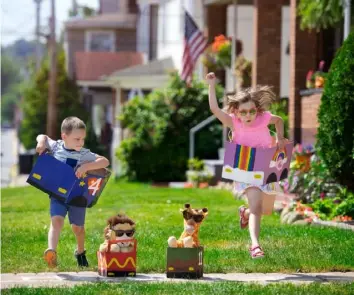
{"x": 303, "y": 156}
{"x": 243, "y": 72}
{"x": 196, "y": 174}
{"x": 316, "y": 79}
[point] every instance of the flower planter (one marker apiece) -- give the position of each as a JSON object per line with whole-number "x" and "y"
{"x": 305, "y": 160}
{"x": 198, "y": 177}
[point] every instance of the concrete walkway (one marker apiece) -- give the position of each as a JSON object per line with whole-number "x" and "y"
{"x": 74, "y": 278}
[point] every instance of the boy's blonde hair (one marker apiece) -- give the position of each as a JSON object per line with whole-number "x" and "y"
{"x": 71, "y": 123}
{"x": 262, "y": 96}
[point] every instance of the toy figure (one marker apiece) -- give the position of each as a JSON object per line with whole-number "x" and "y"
{"x": 119, "y": 227}
{"x": 192, "y": 221}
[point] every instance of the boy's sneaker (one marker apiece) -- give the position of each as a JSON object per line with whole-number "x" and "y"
{"x": 81, "y": 259}
{"x": 50, "y": 256}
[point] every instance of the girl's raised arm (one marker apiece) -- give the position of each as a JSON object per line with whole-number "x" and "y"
{"x": 213, "y": 103}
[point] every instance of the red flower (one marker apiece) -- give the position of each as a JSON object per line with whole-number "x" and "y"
{"x": 309, "y": 75}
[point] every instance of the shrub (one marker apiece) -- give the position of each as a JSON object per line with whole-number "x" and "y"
{"x": 157, "y": 149}
{"x": 280, "y": 109}
{"x": 335, "y": 134}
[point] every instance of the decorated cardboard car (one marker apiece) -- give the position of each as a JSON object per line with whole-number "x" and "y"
{"x": 58, "y": 179}
{"x": 256, "y": 166}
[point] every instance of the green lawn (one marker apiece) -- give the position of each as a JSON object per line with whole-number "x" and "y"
{"x": 191, "y": 288}
{"x": 25, "y": 221}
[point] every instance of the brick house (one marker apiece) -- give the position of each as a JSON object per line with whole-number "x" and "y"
{"x": 280, "y": 52}
{"x": 98, "y": 46}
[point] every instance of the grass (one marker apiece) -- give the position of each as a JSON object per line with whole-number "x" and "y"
{"x": 191, "y": 288}
{"x": 25, "y": 221}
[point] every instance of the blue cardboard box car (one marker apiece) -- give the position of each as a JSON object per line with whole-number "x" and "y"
{"x": 59, "y": 180}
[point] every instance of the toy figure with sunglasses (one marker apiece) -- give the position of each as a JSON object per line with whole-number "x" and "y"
{"x": 192, "y": 218}
{"x": 247, "y": 116}
{"x": 119, "y": 227}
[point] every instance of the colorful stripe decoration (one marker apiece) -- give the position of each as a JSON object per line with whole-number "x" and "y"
{"x": 244, "y": 157}
{"x": 279, "y": 154}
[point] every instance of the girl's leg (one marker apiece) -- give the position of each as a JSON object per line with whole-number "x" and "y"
{"x": 254, "y": 196}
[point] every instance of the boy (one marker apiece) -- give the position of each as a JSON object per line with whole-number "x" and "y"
{"x": 69, "y": 150}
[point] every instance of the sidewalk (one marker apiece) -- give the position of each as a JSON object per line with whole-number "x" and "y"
{"x": 74, "y": 278}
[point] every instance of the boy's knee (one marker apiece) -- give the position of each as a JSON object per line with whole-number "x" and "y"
{"x": 57, "y": 222}
{"x": 77, "y": 229}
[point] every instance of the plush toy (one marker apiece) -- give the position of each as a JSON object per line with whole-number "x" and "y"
{"x": 192, "y": 221}
{"x": 119, "y": 227}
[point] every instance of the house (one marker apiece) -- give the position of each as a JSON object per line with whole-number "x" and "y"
{"x": 268, "y": 29}
{"x": 96, "y": 47}
{"x": 280, "y": 52}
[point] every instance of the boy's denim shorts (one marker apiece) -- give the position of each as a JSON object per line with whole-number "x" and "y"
{"x": 76, "y": 214}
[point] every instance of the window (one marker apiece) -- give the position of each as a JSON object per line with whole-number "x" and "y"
{"x": 100, "y": 41}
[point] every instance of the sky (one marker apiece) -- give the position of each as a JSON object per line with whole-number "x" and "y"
{"x": 18, "y": 17}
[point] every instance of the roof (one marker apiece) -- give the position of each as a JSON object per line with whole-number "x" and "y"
{"x": 155, "y": 67}
{"x": 90, "y": 66}
{"x": 104, "y": 21}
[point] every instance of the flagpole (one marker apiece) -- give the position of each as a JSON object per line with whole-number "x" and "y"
{"x": 233, "y": 60}
{"x": 234, "y": 45}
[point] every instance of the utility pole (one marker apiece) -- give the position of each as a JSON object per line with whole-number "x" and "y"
{"x": 75, "y": 8}
{"x": 52, "y": 93}
{"x": 346, "y": 18}
{"x": 38, "y": 20}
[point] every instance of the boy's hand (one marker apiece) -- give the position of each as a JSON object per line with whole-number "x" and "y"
{"x": 81, "y": 171}
{"x": 210, "y": 79}
{"x": 41, "y": 147}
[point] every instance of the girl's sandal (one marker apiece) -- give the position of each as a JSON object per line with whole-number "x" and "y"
{"x": 256, "y": 252}
{"x": 243, "y": 219}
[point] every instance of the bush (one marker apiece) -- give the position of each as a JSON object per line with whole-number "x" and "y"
{"x": 346, "y": 207}
{"x": 313, "y": 184}
{"x": 159, "y": 124}
{"x": 335, "y": 134}
{"x": 280, "y": 109}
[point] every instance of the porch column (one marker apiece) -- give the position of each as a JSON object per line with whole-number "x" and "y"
{"x": 267, "y": 43}
{"x": 116, "y": 137}
{"x": 303, "y": 49}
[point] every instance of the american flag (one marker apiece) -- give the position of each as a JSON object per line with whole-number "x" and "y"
{"x": 194, "y": 45}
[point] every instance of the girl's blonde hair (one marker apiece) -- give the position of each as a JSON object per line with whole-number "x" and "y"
{"x": 262, "y": 96}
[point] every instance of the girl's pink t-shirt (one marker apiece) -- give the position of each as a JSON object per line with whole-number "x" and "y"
{"x": 254, "y": 135}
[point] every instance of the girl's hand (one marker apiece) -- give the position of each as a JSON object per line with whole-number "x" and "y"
{"x": 281, "y": 143}
{"x": 210, "y": 79}
{"x": 81, "y": 171}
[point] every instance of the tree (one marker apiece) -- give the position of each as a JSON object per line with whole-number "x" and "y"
{"x": 321, "y": 14}
{"x": 83, "y": 10}
{"x": 159, "y": 124}
{"x": 35, "y": 102}
{"x": 10, "y": 78}
{"x": 335, "y": 134}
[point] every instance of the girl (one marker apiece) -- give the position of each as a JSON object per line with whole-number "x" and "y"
{"x": 246, "y": 115}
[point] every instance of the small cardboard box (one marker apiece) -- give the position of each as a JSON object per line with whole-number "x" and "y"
{"x": 117, "y": 264}
{"x": 185, "y": 262}
{"x": 58, "y": 180}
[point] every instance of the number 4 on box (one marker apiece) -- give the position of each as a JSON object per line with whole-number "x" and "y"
{"x": 94, "y": 185}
